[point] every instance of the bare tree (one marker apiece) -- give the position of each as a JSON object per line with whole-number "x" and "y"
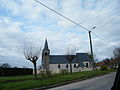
{"x": 32, "y": 53}
{"x": 116, "y": 53}
{"x": 70, "y": 54}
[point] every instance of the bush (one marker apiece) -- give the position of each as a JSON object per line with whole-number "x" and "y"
{"x": 15, "y": 71}
{"x": 63, "y": 71}
{"x": 104, "y": 68}
{"x": 42, "y": 72}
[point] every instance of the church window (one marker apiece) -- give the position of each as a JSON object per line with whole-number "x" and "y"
{"x": 66, "y": 65}
{"x": 74, "y": 65}
{"x": 86, "y": 64}
{"x": 58, "y": 65}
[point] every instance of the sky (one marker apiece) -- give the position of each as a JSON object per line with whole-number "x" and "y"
{"x": 26, "y": 21}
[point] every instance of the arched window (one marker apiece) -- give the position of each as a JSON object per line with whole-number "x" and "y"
{"x": 46, "y": 54}
{"x": 66, "y": 65}
{"x": 86, "y": 64}
{"x": 58, "y": 65}
{"x": 74, "y": 65}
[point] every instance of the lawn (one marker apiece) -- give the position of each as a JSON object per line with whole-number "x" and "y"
{"x": 27, "y": 82}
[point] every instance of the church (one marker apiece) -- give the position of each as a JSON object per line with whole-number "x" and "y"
{"x": 56, "y": 63}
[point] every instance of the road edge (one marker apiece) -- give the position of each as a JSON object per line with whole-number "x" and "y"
{"x": 67, "y": 82}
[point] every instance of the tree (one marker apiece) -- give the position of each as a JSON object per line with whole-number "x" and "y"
{"x": 113, "y": 63}
{"x": 32, "y": 54}
{"x": 70, "y": 56}
{"x": 116, "y": 53}
{"x": 94, "y": 56}
{"x": 107, "y": 62}
{"x": 5, "y": 65}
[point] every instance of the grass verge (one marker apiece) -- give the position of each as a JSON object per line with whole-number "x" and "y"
{"x": 27, "y": 82}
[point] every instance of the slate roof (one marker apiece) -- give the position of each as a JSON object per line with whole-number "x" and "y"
{"x": 82, "y": 57}
{"x": 61, "y": 59}
{"x": 46, "y": 45}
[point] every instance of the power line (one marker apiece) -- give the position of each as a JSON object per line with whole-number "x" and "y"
{"x": 109, "y": 21}
{"x": 100, "y": 14}
{"x": 71, "y": 21}
{"x": 105, "y": 42}
{"x": 105, "y": 22}
{"x": 77, "y": 5}
{"x": 62, "y": 15}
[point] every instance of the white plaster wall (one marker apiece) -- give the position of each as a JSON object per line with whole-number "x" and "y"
{"x": 54, "y": 67}
{"x": 98, "y": 68}
{"x": 89, "y": 65}
{"x": 62, "y": 66}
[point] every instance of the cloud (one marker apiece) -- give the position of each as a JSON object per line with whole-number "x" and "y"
{"x": 27, "y": 21}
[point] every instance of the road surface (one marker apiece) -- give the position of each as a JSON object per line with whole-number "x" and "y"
{"x": 98, "y": 83}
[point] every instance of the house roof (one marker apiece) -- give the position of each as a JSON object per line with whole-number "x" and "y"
{"x": 61, "y": 59}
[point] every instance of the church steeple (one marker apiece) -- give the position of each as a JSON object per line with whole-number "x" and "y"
{"x": 46, "y": 57}
{"x": 46, "y": 45}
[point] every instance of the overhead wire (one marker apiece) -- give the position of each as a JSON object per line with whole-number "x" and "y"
{"x": 104, "y": 41}
{"x": 72, "y": 21}
{"x": 61, "y": 15}
{"x": 102, "y": 14}
{"x": 77, "y": 5}
{"x": 111, "y": 11}
{"x": 109, "y": 21}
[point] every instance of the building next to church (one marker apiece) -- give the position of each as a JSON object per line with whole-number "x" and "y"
{"x": 56, "y": 63}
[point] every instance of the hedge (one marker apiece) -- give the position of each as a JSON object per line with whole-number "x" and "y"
{"x": 103, "y": 67}
{"x": 15, "y": 71}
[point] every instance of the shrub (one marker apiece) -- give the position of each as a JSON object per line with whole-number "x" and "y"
{"x": 63, "y": 71}
{"x": 104, "y": 68}
{"x": 42, "y": 72}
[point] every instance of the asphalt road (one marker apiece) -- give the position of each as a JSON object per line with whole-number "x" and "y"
{"x": 98, "y": 83}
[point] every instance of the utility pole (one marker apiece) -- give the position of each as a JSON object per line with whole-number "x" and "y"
{"x": 91, "y": 49}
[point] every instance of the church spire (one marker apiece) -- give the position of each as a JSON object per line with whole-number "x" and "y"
{"x": 46, "y": 45}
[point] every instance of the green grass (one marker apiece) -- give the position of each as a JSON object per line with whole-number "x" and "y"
{"x": 27, "y": 82}
{"x": 17, "y": 78}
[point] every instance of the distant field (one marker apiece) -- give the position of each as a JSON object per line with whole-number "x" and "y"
{"x": 27, "y": 82}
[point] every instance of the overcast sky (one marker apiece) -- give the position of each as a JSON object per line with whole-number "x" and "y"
{"x": 24, "y": 21}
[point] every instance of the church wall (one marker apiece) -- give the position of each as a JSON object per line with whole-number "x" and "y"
{"x": 89, "y": 65}
{"x": 54, "y": 67}
{"x": 62, "y": 66}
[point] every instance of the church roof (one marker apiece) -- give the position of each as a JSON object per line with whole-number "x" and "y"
{"x": 82, "y": 57}
{"x": 46, "y": 45}
{"x": 61, "y": 59}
